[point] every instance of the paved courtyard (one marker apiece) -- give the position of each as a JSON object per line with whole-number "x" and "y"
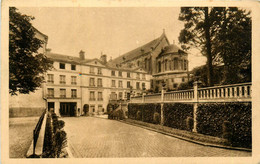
{"x": 21, "y": 135}
{"x": 91, "y": 137}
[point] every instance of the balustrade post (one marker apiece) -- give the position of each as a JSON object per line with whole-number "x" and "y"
{"x": 162, "y": 99}
{"x": 195, "y": 107}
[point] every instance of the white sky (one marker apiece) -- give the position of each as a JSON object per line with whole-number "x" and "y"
{"x": 113, "y": 31}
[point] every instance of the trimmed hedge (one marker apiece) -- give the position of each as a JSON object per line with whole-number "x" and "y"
{"x": 176, "y": 114}
{"x": 233, "y": 120}
{"x": 55, "y": 139}
{"x": 143, "y": 112}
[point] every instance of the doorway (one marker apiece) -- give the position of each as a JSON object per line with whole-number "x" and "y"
{"x": 68, "y": 109}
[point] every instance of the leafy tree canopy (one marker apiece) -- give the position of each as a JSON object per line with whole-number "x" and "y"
{"x": 223, "y": 35}
{"x": 26, "y": 65}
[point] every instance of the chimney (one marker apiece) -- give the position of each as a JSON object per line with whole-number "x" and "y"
{"x": 82, "y": 55}
{"x": 103, "y": 58}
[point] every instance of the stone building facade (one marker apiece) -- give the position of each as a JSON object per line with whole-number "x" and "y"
{"x": 164, "y": 61}
{"x": 84, "y": 85}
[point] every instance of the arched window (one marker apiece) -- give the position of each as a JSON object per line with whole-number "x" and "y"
{"x": 181, "y": 64}
{"x": 165, "y": 65}
{"x": 175, "y": 63}
{"x": 159, "y": 66}
{"x": 138, "y": 63}
{"x": 185, "y": 64}
{"x": 169, "y": 64}
{"x": 145, "y": 63}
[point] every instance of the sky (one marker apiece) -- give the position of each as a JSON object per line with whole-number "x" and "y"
{"x": 111, "y": 31}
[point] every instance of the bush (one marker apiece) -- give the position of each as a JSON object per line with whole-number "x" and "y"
{"x": 228, "y": 120}
{"x": 147, "y": 110}
{"x": 189, "y": 123}
{"x": 156, "y": 118}
{"x": 55, "y": 139}
{"x": 139, "y": 115}
{"x": 175, "y": 114}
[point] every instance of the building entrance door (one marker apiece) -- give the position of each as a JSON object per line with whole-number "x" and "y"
{"x": 68, "y": 109}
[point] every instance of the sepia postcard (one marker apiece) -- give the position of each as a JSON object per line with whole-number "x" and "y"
{"x": 122, "y": 81}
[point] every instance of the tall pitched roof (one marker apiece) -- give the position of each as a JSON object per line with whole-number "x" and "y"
{"x": 138, "y": 51}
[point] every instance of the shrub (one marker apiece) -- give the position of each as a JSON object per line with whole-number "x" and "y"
{"x": 55, "y": 139}
{"x": 156, "y": 118}
{"x": 228, "y": 120}
{"x": 189, "y": 123}
{"x": 175, "y": 114}
{"x": 139, "y": 115}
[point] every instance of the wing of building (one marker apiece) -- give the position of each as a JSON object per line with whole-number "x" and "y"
{"x": 164, "y": 61}
{"x": 78, "y": 85}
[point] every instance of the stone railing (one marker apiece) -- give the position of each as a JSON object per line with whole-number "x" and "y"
{"x": 224, "y": 93}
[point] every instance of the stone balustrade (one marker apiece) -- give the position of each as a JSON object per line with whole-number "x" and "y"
{"x": 224, "y": 93}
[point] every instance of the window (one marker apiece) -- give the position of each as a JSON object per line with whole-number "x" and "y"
{"x": 185, "y": 64}
{"x": 175, "y": 85}
{"x": 100, "y": 96}
{"x": 143, "y": 76}
{"x": 137, "y": 76}
{"x": 120, "y": 95}
{"x": 73, "y": 93}
{"x": 128, "y": 74}
{"x": 113, "y": 83}
{"x": 172, "y": 79}
{"x": 113, "y": 73}
{"x": 175, "y": 65}
{"x": 73, "y": 80}
{"x": 73, "y": 67}
{"x": 120, "y": 84}
{"x": 100, "y": 108}
{"x": 62, "y": 65}
{"x": 62, "y": 79}
{"x": 91, "y": 70}
{"x": 99, "y": 71}
{"x": 99, "y": 82}
{"x": 50, "y": 92}
{"x": 50, "y": 78}
{"x": 113, "y": 96}
{"x": 91, "y": 82}
{"x": 92, "y": 96}
{"x": 120, "y": 73}
{"x": 143, "y": 85}
{"x": 165, "y": 65}
{"x": 128, "y": 84}
{"x": 62, "y": 93}
{"x": 159, "y": 67}
{"x": 183, "y": 79}
{"x": 137, "y": 85}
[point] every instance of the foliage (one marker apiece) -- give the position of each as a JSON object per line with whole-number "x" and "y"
{"x": 212, "y": 116}
{"x": 156, "y": 118}
{"x": 175, "y": 114}
{"x": 55, "y": 139}
{"x": 144, "y": 112}
{"x": 26, "y": 65}
{"x": 221, "y": 34}
{"x": 189, "y": 123}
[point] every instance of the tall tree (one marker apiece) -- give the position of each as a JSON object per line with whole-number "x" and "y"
{"x": 26, "y": 65}
{"x": 196, "y": 33}
{"x": 223, "y": 35}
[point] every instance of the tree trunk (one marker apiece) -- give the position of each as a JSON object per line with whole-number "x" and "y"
{"x": 208, "y": 48}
